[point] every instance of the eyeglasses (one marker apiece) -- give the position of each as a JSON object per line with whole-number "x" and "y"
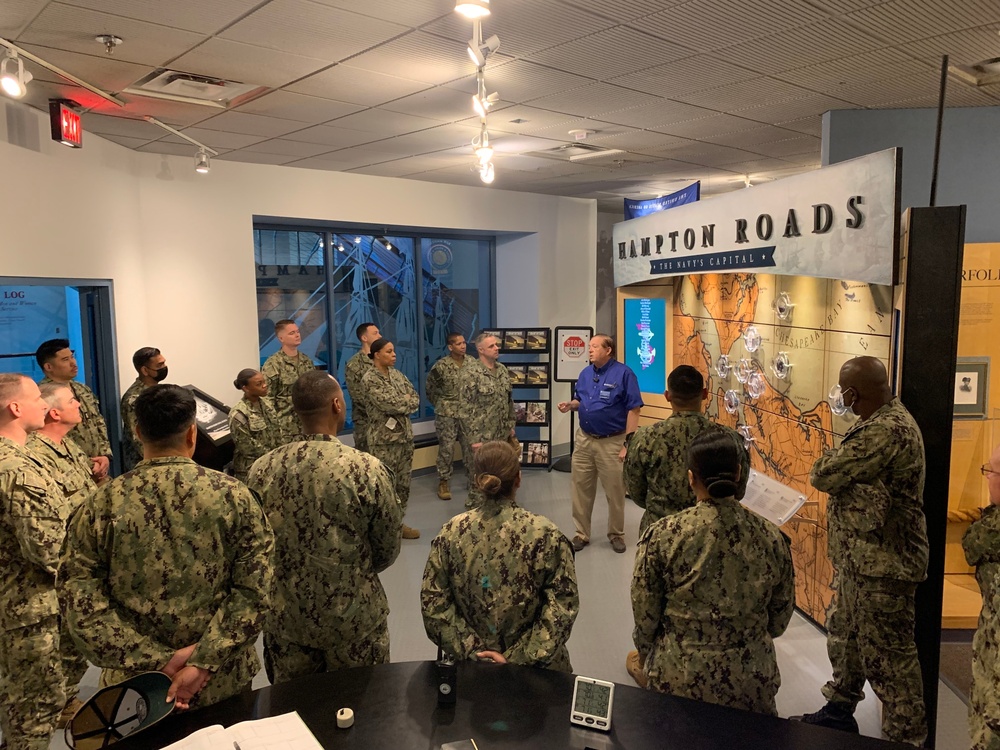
{"x": 986, "y": 470}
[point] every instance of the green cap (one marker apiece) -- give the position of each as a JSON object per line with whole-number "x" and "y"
{"x": 118, "y": 711}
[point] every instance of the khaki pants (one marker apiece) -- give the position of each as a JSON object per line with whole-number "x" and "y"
{"x": 593, "y": 459}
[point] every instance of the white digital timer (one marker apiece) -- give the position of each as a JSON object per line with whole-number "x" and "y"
{"x": 592, "y": 702}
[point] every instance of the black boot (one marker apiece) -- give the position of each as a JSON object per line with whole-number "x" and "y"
{"x": 833, "y": 716}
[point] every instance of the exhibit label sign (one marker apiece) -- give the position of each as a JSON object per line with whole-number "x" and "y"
{"x": 839, "y": 222}
{"x": 634, "y": 208}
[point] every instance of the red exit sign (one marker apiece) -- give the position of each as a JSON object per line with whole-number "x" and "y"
{"x": 66, "y": 126}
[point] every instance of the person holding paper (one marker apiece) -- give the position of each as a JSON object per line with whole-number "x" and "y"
{"x": 713, "y": 585}
{"x": 168, "y": 567}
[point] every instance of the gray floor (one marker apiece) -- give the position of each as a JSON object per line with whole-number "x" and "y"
{"x": 603, "y": 631}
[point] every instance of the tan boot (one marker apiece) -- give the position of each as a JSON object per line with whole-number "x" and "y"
{"x": 409, "y": 533}
{"x": 443, "y": 492}
{"x": 68, "y": 712}
{"x": 634, "y": 669}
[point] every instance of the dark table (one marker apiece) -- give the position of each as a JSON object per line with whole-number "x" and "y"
{"x": 500, "y": 706}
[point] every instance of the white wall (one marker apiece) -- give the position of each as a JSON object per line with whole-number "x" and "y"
{"x": 179, "y": 246}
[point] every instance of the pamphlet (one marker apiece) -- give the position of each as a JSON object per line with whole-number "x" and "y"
{"x": 284, "y": 732}
{"x": 771, "y": 499}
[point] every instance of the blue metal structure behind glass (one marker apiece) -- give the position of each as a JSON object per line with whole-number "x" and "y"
{"x": 373, "y": 278}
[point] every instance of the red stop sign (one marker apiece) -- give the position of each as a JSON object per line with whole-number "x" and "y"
{"x": 574, "y": 347}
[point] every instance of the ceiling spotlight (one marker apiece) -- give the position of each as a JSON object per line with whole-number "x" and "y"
{"x": 388, "y": 245}
{"x": 479, "y": 51}
{"x": 746, "y": 181}
{"x": 14, "y": 78}
{"x": 340, "y": 247}
{"x": 357, "y": 240}
{"x": 487, "y": 173}
{"x": 484, "y": 154}
{"x": 473, "y": 8}
{"x": 202, "y": 162}
{"x": 482, "y": 104}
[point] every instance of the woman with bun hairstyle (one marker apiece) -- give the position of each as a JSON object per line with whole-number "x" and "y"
{"x": 390, "y": 399}
{"x": 500, "y": 584}
{"x": 253, "y": 423}
{"x": 713, "y": 586}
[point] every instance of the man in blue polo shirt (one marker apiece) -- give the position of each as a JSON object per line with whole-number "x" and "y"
{"x": 608, "y": 400}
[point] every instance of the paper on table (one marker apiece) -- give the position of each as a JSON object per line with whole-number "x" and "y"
{"x": 771, "y": 499}
{"x": 284, "y": 732}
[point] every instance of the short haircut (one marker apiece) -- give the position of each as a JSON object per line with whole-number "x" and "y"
{"x": 497, "y": 466}
{"x": 281, "y": 325}
{"x": 362, "y": 329}
{"x": 142, "y": 356}
{"x": 608, "y": 341}
{"x": 313, "y": 393}
{"x": 50, "y": 392}
{"x": 714, "y": 459}
{"x": 453, "y": 337}
{"x": 244, "y": 377}
{"x": 163, "y": 413}
{"x": 48, "y": 350}
{"x": 377, "y": 346}
{"x": 685, "y": 382}
{"x": 483, "y": 335}
{"x": 11, "y": 384}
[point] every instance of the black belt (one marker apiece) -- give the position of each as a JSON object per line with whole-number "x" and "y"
{"x": 601, "y": 437}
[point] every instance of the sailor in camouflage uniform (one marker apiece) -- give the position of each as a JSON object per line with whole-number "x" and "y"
{"x": 168, "y": 567}
{"x": 713, "y": 586}
{"x": 487, "y": 403}
{"x": 337, "y": 526}
{"x": 655, "y": 470}
{"x": 982, "y": 549}
{"x": 500, "y": 583}
{"x": 32, "y": 529}
{"x": 58, "y": 363}
{"x": 878, "y": 547}
{"x": 389, "y": 400}
{"x": 354, "y": 373}
{"x": 253, "y": 422}
{"x": 152, "y": 368}
{"x": 281, "y": 370}
{"x": 444, "y": 383}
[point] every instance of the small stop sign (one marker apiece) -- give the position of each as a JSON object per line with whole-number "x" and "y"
{"x": 574, "y": 347}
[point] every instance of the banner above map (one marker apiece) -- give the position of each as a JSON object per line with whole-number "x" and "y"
{"x": 839, "y": 222}
{"x": 634, "y": 208}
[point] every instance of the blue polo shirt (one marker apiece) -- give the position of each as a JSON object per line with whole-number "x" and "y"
{"x": 606, "y": 395}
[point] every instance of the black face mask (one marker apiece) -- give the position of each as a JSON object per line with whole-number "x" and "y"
{"x": 160, "y": 375}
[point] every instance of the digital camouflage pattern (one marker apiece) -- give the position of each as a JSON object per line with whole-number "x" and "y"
{"x": 354, "y": 373}
{"x": 255, "y": 431}
{"x": 337, "y": 525}
{"x": 713, "y": 585}
{"x": 32, "y": 528}
{"x": 92, "y": 432}
{"x": 982, "y": 549}
{"x": 500, "y": 578}
{"x": 168, "y": 555}
{"x": 131, "y": 447}
{"x": 487, "y": 411}
{"x": 655, "y": 470}
{"x": 67, "y": 465}
{"x": 444, "y": 384}
{"x": 878, "y": 545}
{"x": 281, "y": 372}
{"x": 389, "y": 401}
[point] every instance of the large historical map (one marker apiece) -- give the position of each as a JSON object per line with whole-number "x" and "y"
{"x": 778, "y": 381}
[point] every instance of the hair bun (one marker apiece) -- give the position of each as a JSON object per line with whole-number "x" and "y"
{"x": 719, "y": 487}
{"x": 489, "y": 483}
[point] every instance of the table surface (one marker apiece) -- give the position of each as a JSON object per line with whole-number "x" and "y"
{"x": 499, "y": 706}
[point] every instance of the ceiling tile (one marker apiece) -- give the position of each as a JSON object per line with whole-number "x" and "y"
{"x": 107, "y": 73}
{"x": 658, "y": 114}
{"x": 803, "y": 144}
{"x": 628, "y": 51}
{"x": 319, "y": 31}
{"x": 192, "y": 15}
{"x": 594, "y": 100}
{"x": 234, "y": 61}
{"x": 103, "y": 124}
{"x": 441, "y": 104}
{"x": 966, "y": 47}
{"x": 215, "y": 138}
{"x": 241, "y": 122}
{"x": 248, "y": 157}
{"x": 333, "y": 137}
{"x": 124, "y": 140}
{"x": 420, "y": 57}
{"x": 16, "y": 14}
{"x": 350, "y": 158}
{"x": 383, "y": 123}
{"x": 521, "y": 81}
{"x": 171, "y": 148}
{"x": 732, "y": 97}
{"x": 636, "y": 140}
{"x": 283, "y": 147}
{"x": 409, "y": 12}
{"x": 173, "y": 113}
{"x": 619, "y": 11}
{"x": 435, "y": 139}
{"x": 827, "y": 77}
{"x": 684, "y": 76}
{"x": 311, "y": 109}
{"x": 39, "y": 93}
{"x": 792, "y": 108}
{"x": 750, "y": 137}
{"x": 706, "y": 127}
{"x": 811, "y": 125}
{"x": 357, "y": 86}
{"x": 899, "y": 21}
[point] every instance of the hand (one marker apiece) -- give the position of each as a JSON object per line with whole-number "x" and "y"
{"x": 621, "y": 453}
{"x": 186, "y": 685}
{"x": 178, "y": 660}
{"x": 99, "y": 467}
{"x": 564, "y": 406}
{"x": 494, "y": 656}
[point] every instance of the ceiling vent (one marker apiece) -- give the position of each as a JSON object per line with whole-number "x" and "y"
{"x": 985, "y": 73}
{"x": 577, "y": 152}
{"x": 189, "y": 88}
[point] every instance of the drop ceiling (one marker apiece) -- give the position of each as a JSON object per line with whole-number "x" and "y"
{"x": 706, "y": 89}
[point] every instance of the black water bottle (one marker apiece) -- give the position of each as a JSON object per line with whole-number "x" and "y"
{"x": 447, "y": 679}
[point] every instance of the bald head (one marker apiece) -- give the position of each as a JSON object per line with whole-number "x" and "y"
{"x": 868, "y": 381}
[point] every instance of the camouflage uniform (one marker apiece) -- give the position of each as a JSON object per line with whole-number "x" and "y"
{"x": 92, "y": 432}
{"x": 354, "y": 373}
{"x": 655, "y": 469}
{"x": 168, "y": 555}
{"x": 255, "y": 432}
{"x": 500, "y": 578}
{"x": 443, "y": 391}
{"x": 281, "y": 372}
{"x": 131, "y": 447}
{"x": 487, "y": 410}
{"x": 878, "y": 546}
{"x": 982, "y": 549}
{"x": 713, "y": 585}
{"x": 390, "y": 400}
{"x": 32, "y": 528}
{"x": 337, "y": 526}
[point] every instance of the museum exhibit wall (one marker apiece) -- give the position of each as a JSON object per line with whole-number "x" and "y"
{"x": 179, "y": 245}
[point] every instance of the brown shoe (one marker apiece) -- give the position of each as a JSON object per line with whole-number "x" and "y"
{"x": 579, "y": 543}
{"x": 443, "y": 492}
{"x": 618, "y": 544}
{"x": 409, "y": 533}
{"x": 68, "y": 712}
{"x": 634, "y": 669}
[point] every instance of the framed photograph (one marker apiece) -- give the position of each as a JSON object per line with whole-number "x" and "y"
{"x": 520, "y": 412}
{"x": 538, "y": 375}
{"x": 537, "y": 340}
{"x": 972, "y": 386}
{"x": 495, "y": 333}
{"x": 518, "y": 375}
{"x": 537, "y": 454}
{"x": 212, "y": 416}
{"x": 513, "y": 340}
{"x": 535, "y": 413}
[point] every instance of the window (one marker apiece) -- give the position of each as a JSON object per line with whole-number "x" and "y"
{"x": 416, "y": 289}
